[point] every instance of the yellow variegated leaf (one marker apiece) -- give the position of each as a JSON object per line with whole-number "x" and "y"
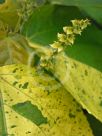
{"x": 35, "y": 104}
{"x": 82, "y": 81}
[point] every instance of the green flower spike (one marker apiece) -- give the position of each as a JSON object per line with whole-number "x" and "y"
{"x": 65, "y": 39}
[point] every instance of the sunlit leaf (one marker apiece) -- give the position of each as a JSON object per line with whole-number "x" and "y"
{"x": 82, "y": 81}
{"x": 37, "y": 105}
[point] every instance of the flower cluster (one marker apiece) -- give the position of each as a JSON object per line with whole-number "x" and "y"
{"x": 25, "y": 11}
{"x": 64, "y": 39}
{"x": 68, "y": 37}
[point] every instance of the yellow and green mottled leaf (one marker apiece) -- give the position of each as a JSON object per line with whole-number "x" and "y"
{"x": 35, "y": 104}
{"x": 82, "y": 81}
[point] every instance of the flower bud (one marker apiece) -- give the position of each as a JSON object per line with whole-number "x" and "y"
{"x": 68, "y": 30}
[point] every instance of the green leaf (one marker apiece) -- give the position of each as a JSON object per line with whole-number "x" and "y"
{"x": 42, "y": 27}
{"x": 42, "y": 108}
{"x": 13, "y": 50}
{"x": 93, "y": 8}
{"x": 2, "y": 1}
{"x": 77, "y": 2}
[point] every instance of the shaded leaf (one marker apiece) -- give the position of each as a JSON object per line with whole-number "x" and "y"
{"x": 95, "y": 125}
{"x": 2, "y": 1}
{"x": 13, "y": 14}
{"x": 13, "y": 50}
{"x": 9, "y": 14}
{"x": 93, "y": 8}
{"x": 44, "y": 97}
{"x": 77, "y": 2}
